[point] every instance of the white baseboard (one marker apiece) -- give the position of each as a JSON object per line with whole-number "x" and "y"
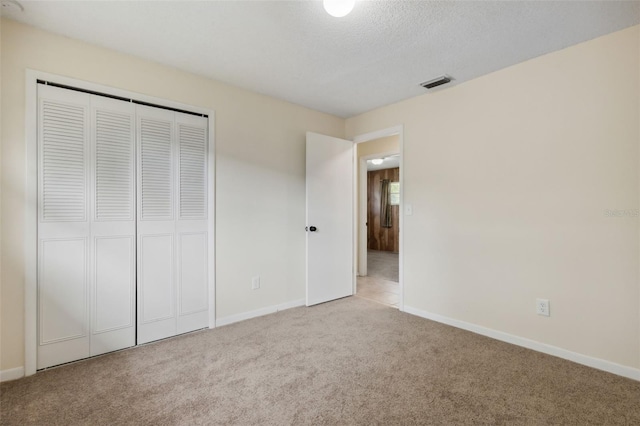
{"x": 600, "y": 364}
{"x": 11, "y": 374}
{"x": 259, "y": 312}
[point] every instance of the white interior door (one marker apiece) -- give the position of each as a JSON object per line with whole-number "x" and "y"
{"x": 63, "y": 226}
{"x": 329, "y": 180}
{"x": 173, "y": 292}
{"x": 113, "y": 225}
{"x": 156, "y": 224}
{"x": 124, "y": 204}
{"x": 192, "y": 223}
{"x": 86, "y": 226}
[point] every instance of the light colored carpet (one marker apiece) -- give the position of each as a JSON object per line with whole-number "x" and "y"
{"x": 383, "y": 264}
{"x": 345, "y": 362}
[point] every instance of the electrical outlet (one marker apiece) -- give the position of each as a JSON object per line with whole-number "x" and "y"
{"x": 255, "y": 282}
{"x": 542, "y": 307}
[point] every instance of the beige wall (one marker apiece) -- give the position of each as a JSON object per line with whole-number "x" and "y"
{"x": 509, "y": 176}
{"x": 260, "y": 179}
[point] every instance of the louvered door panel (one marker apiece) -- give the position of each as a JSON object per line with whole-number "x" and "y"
{"x": 192, "y": 171}
{"x": 192, "y": 226}
{"x": 63, "y": 161}
{"x": 63, "y": 226}
{"x": 113, "y": 230}
{"x": 114, "y": 165}
{"x": 156, "y": 189}
{"x": 156, "y": 145}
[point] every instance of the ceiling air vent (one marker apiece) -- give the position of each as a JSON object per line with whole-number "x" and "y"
{"x": 436, "y": 82}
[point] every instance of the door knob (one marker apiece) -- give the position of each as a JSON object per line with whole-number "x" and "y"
{"x": 310, "y": 228}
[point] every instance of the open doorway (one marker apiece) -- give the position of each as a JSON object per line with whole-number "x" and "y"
{"x": 378, "y": 170}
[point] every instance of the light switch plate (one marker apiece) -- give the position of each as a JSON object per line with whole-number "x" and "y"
{"x": 408, "y": 209}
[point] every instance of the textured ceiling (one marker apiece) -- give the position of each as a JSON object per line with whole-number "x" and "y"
{"x": 294, "y": 51}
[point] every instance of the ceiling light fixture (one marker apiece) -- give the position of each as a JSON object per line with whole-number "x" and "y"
{"x": 338, "y": 8}
{"x": 12, "y": 5}
{"x": 377, "y": 161}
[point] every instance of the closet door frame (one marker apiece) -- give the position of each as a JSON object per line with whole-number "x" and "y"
{"x": 31, "y": 195}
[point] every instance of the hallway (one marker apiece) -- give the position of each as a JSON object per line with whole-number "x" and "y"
{"x": 381, "y": 283}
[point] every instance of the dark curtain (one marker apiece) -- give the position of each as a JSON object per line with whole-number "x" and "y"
{"x": 385, "y": 207}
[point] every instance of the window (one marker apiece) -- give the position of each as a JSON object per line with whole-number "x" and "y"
{"x": 394, "y": 193}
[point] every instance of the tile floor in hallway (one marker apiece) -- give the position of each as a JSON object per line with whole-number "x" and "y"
{"x": 378, "y": 290}
{"x": 381, "y": 283}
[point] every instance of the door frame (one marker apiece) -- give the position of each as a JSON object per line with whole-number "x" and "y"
{"x": 363, "y": 210}
{"x": 31, "y": 196}
{"x": 367, "y": 137}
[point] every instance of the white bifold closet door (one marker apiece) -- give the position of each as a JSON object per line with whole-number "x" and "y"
{"x": 86, "y": 225}
{"x": 172, "y": 223}
{"x": 122, "y": 224}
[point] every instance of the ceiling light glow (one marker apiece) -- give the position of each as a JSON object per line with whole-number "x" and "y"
{"x": 338, "y": 8}
{"x": 377, "y": 161}
{"x": 12, "y": 6}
